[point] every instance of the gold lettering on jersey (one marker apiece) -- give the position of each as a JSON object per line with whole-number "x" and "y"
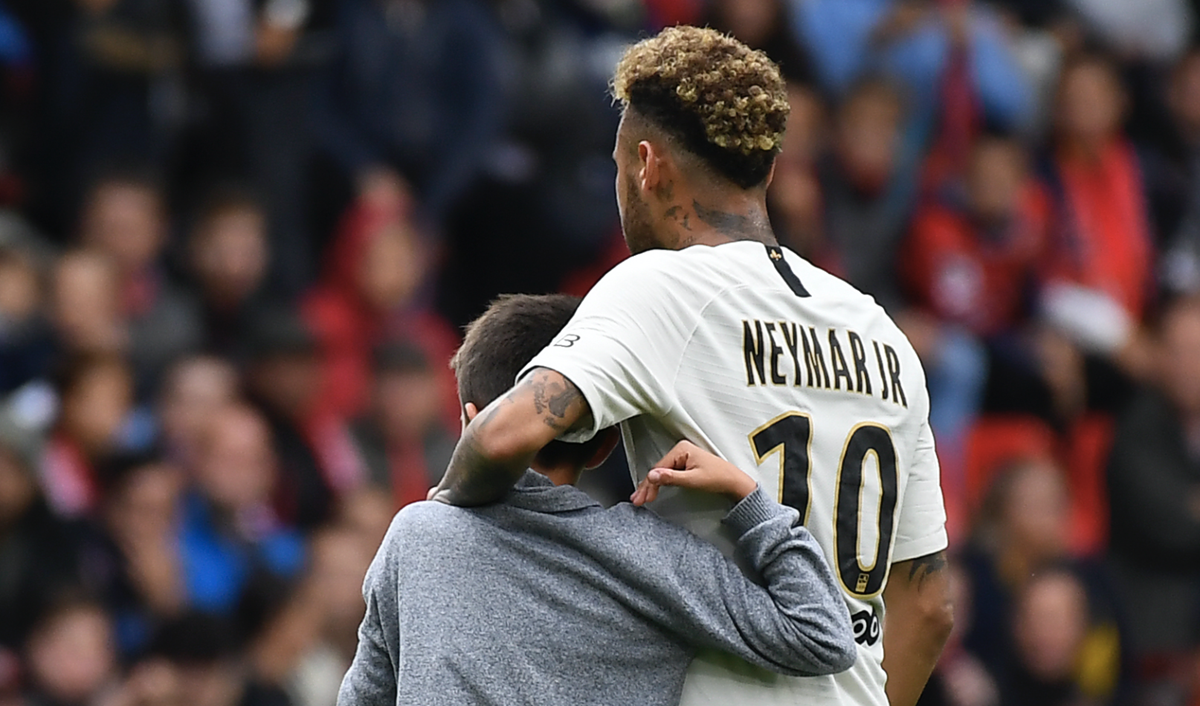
{"x": 793, "y": 345}
{"x": 766, "y": 356}
{"x": 893, "y": 363}
{"x": 838, "y": 360}
{"x": 752, "y": 348}
{"x": 859, "y": 353}
{"x": 861, "y": 584}
{"x": 814, "y": 359}
{"x": 882, "y": 373}
{"x": 777, "y": 377}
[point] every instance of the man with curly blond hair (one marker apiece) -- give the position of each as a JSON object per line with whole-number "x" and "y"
{"x": 715, "y": 334}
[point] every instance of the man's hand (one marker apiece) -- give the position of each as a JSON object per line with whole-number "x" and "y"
{"x": 689, "y": 466}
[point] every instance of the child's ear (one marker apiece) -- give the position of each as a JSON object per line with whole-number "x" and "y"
{"x": 469, "y": 411}
{"x": 608, "y": 439}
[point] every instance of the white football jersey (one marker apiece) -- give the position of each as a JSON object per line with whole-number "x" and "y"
{"x": 797, "y": 378}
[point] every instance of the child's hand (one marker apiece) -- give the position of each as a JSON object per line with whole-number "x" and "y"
{"x": 689, "y": 466}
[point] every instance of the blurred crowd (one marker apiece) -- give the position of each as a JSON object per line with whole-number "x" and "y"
{"x": 238, "y": 239}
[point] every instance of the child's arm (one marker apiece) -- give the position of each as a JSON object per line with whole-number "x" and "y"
{"x": 689, "y": 466}
{"x": 797, "y": 623}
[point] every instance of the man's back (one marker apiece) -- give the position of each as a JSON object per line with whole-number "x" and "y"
{"x": 547, "y": 598}
{"x": 778, "y": 366}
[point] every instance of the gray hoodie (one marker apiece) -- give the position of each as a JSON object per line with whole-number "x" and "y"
{"x": 549, "y": 598}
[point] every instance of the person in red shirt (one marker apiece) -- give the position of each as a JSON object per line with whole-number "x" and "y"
{"x": 970, "y": 262}
{"x": 1102, "y": 243}
{"x": 371, "y": 293}
{"x": 974, "y": 253}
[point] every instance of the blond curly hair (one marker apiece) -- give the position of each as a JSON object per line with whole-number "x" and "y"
{"x": 725, "y": 101}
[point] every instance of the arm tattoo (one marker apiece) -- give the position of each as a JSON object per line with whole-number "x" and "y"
{"x": 553, "y": 400}
{"x": 735, "y": 225}
{"x": 486, "y": 481}
{"x": 922, "y": 568}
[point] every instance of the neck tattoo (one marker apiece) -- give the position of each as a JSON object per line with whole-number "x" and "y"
{"x": 735, "y": 226}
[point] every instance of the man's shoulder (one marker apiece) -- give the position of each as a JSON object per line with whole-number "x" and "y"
{"x": 635, "y": 267}
{"x": 674, "y": 281}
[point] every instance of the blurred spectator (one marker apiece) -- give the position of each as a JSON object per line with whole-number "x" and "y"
{"x": 122, "y": 98}
{"x": 125, "y": 216}
{"x": 1100, "y": 279}
{"x": 195, "y": 660}
{"x": 231, "y": 536}
{"x": 413, "y": 101}
{"x": 195, "y": 390}
{"x": 229, "y": 257}
{"x": 807, "y": 125}
{"x": 85, "y": 304}
{"x": 1023, "y": 535}
{"x": 403, "y": 441}
{"x": 38, "y": 556}
{"x": 367, "y": 512}
{"x": 72, "y": 656}
{"x": 96, "y": 397}
{"x": 795, "y": 195}
{"x": 973, "y": 260}
{"x": 765, "y": 25}
{"x": 310, "y": 645}
{"x": 1050, "y": 625}
{"x": 550, "y": 180}
{"x": 136, "y": 562}
{"x": 917, "y": 42}
{"x": 370, "y": 292}
{"x": 977, "y": 247}
{"x": 1154, "y": 489}
{"x": 255, "y": 63}
{"x": 26, "y": 344}
{"x": 1172, "y": 170}
{"x": 868, "y": 186}
{"x": 315, "y": 452}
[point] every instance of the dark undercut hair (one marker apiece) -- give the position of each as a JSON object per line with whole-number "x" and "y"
{"x": 721, "y": 100}
{"x": 498, "y": 344}
{"x": 514, "y": 329}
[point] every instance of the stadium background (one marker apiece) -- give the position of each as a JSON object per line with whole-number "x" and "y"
{"x": 239, "y": 238}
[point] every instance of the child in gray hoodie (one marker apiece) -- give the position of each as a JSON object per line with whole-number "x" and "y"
{"x": 549, "y": 598}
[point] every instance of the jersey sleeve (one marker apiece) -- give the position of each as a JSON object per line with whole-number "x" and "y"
{"x": 623, "y": 347}
{"x": 921, "y": 528}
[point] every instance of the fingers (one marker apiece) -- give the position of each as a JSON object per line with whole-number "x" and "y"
{"x": 646, "y": 492}
{"x": 432, "y": 493}
{"x": 678, "y": 456}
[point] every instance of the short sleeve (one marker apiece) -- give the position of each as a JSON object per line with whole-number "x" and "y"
{"x": 623, "y": 347}
{"x": 921, "y": 529}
